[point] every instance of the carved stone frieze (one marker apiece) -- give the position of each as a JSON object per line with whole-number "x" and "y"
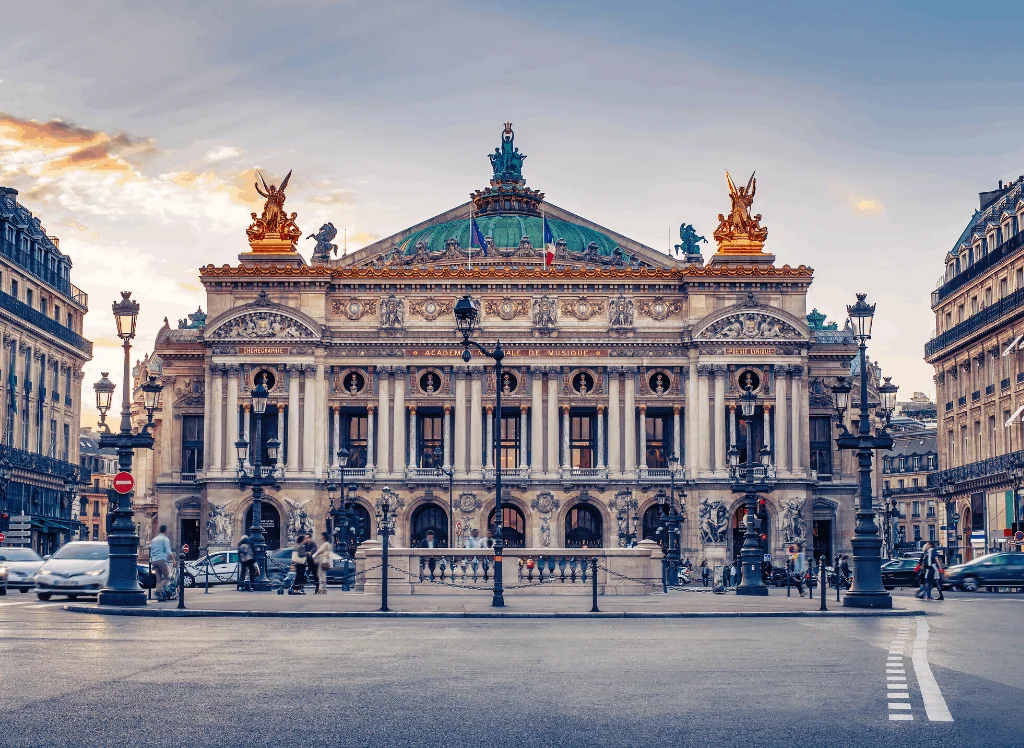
{"x": 750, "y": 326}
{"x": 430, "y": 308}
{"x": 263, "y": 325}
{"x": 659, "y": 308}
{"x": 620, "y": 311}
{"x": 507, "y": 307}
{"x": 353, "y": 308}
{"x": 582, "y": 308}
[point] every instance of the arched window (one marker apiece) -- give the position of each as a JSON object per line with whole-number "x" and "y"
{"x": 651, "y": 523}
{"x": 425, "y": 518}
{"x": 583, "y": 527}
{"x": 271, "y": 525}
{"x": 362, "y": 523}
{"x": 514, "y": 526}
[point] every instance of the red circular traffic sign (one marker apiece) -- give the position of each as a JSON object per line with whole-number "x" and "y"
{"x": 2, "y": 537}
{"x": 184, "y": 548}
{"x": 124, "y": 482}
{"x": 1018, "y": 536}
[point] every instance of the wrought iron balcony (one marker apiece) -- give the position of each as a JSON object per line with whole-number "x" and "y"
{"x": 50, "y": 326}
{"x": 990, "y": 389}
{"x": 977, "y": 269}
{"x": 949, "y": 406}
{"x": 47, "y": 275}
{"x": 976, "y": 396}
{"x": 1004, "y": 384}
{"x": 962, "y": 400}
{"x": 976, "y": 322}
{"x": 37, "y": 463}
{"x": 993, "y": 468}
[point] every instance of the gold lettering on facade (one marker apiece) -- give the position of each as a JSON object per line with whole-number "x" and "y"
{"x": 262, "y": 351}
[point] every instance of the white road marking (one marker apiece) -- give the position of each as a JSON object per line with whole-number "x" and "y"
{"x": 896, "y": 705}
{"x": 934, "y": 703}
{"x": 12, "y": 604}
{"x": 897, "y": 686}
{"x": 901, "y": 716}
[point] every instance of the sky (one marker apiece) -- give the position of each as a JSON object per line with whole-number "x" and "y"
{"x": 132, "y": 129}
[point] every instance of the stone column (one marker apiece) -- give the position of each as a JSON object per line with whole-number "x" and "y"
{"x": 704, "y": 407}
{"x": 614, "y": 424}
{"x": 643, "y": 437}
{"x": 537, "y": 426}
{"x": 629, "y": 421}
{"x": 692, "y": 422}
{"x": 566, "y": 462}
{"x": 489, "y": 415}
{"x": 293, "y": 418}
{"x": 600, "y": 437}
{"x": 781, "y": 412}
{"x": 248, "y": 437}
{"x": 166, "y": 428}
{"x": 232, "y": 413}
{"x": 475, "y": 413}
{"x": 523, "y": 463}
{"x": 207, "y": 417}
{"x": 553, "y": 385}
{"x": 768, "y": 425}
{"x": 677, "y": 448}
{"x": 447, "y": 436}
{"x": 370, "y": 443}
{"x": 721, "y": 373}
{"x": 336, "y": 417}
{"x": 280, "y": 429}
{"x": 734, "y": 426}
{"x": 308, "y": 418}
{"x": 217, "y": 456}
{"x": 796, "y": 418}
{"x": 413, "y": 461}
{"x": 461, "y": 430}
{"x": 398, "y": 448}
{"x": 320, "y": 425}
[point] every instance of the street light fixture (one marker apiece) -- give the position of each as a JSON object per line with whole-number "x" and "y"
{"x": 672, "y": 520}
{"x": 257, "y": 479}
{"x": 123, "y": 578}
{"x": 467, "y": 314}
{"x": 868, "y": 590}
{"x": 450, "y": 474}
{"x": 750, "y": 484}
{"x": 342, "y": 519}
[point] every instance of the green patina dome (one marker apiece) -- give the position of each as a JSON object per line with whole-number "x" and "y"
{"x": 506, "y": 231}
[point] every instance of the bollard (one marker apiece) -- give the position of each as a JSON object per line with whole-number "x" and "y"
{"x": 839, "y": 582}
{"x": 807, "y": 578}
{"x": 181, "y": 579}
{"x": 789, "y": 573}
{"x": 822, "y": 581}
{"x": 593, "y": 584}
{"x": 207, "y": 590}
{"x": 384, "y": 577}
{"x": 150, "y": 590}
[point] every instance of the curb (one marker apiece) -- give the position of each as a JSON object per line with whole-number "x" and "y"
{"x": 195, "y": 613}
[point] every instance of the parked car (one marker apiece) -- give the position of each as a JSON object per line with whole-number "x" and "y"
{"x": 223, "y": 569}
{"x": 22, "y": 565}
{"x": 900, "y": 572}
{"x": 3, "y": 579}
{"x": 991, "y": 570}
{"x": 77, "y": 568}
{"x": 279, "y": 563}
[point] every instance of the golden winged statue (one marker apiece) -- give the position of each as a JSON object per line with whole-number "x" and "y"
{"x": 275, "y": 223}
{"x": 739, "y": 227}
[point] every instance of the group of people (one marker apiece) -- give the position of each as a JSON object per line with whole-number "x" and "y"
{"x": 929, "y": 573}
{"x": 310, "y": 562}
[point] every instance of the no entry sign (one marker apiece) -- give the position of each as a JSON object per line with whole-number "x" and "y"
{"x": 124, "y": 482}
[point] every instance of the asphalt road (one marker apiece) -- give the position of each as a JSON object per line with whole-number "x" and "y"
{"x": 70, "y": 679}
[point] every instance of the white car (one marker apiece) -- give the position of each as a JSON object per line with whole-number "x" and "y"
{"x": 22, "y": 565}
{"x": 223, "y": 569}
{"x": 78, "y": 568}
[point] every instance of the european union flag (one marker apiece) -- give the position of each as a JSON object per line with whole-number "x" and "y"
{"x": 478, "y": 234}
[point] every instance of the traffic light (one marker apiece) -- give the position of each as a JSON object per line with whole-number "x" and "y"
{"x": 5, "y": 522}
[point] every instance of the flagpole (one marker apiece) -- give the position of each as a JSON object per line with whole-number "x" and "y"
{"x": 471, "y": 236}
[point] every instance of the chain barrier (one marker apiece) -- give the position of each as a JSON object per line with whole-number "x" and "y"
{"x": 660, "y": 585}
{"x": 488, "y": 582}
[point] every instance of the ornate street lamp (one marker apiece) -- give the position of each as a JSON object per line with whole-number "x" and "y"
{"x": 257, "y": 479}
{"x": 386, "y": 528}
{"x": 450, "y": 474}
{"x": 342, "y": 518}
{"x": 123, "y": 578}
{"x": 672, "y": 521}
{"x": 627, "y": 518}
{"x": 749, "y": 483}
{"x": 467, "y": 314}
{"x": 868, "y": 590}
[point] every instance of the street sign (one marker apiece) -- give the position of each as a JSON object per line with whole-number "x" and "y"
{"x": 2, "y": 537}
{"x": 943, "y": 527}
{"x": 1018, "y": 536}
{"x": 124, "y": 482}
{"x": 184, "y": 548}
{"x": 956, "y": 518}
{"x": 792, "y": 549}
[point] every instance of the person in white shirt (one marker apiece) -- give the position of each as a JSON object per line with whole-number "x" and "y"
{"x": 473, "y": 541}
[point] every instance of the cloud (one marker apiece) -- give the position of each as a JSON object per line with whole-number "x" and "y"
{"x": 337, "y": 196}
{"x": 864, "y": 206}
{"x": 223, "y": 153}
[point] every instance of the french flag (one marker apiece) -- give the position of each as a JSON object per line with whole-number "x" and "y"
{"x": 549, "y": 245}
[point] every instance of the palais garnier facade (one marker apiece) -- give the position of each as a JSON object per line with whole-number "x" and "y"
{"x": 619, "y": 358}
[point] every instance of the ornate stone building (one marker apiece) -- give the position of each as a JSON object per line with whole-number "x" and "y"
{"x": 618, "y": 356}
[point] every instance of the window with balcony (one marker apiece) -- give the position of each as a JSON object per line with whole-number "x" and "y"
{"x": 95, "y": 532}
{"x": 900, "y": 483}
{"x": 917, "y": 533}
{"x": 24, "y": 423}
{"x": 29, "y": 297}
{"x": 913, "y": 482}
{"x": 930, "y": 509}
{"x": 191, "y": 445}
{"x": 581, "y": 441}
{"x": 1004, "y": 287}
{"x": 821, "y": 445}
{"x": 659, "y": 439}
{"x": 1020, "y": 278}
{"x": 95, "y": 509}
{"x": 354, "y": 429}
{"x": 67, "y": 443}
{"x": 14, "y": 289}
{"x": 52, "y": 451}
{"x": 931, "y": 533}
{"x": 430, "y": 436}
{"x": 508, "y": 449}
{"x": 915, "y": 509}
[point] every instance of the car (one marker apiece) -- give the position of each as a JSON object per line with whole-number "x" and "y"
{"x": 223, "y": 569}
{"x": 77, "y": 568}
{"x": 279, "y": 563}
{"x": 990, "y": 570}
{"x": 22, "y": 565}
{"x": 900, "y": 572}
{"x": 3, "y": 579}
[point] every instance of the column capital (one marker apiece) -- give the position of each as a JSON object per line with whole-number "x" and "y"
{"x": 233, "y": 369}
{"x": 720, "y": 370}
{"x": 796, "y": 371}
{"x": 336, "y": 409}
{"x": 524, "y": 409}
{"x": 600, "y": 409}
{"x": 399, "y": 371}
{"x": 246, "y": 407}
{"x": 642, "y": 409}
{"x": 781, "y": 370}
{"x": 767, "y": 405}
{"x": 447, "y": 409}
{"x": 293, "y": 368}
{"x": 565, "y": 409}
{"x": 412, "y": 407}
{"x": 461, "y": 373}
{"x": 705, "y": 370}
{"x": 488, "y": 409}
{"x": 676, "y": 409}
{"x": 309, "y": 369}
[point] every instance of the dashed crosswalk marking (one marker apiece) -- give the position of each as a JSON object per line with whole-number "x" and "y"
{"x": 897, "y": 692}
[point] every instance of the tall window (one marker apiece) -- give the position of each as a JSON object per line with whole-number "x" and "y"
{"x": 583, "y": 527}
{"x": 67, "y": 442}
{"x": 510, "y": 441}
{"x": 821, "y": 445}
{"x": 24, "y": 423}
{"x": 581, "y": 441}
{"x": 191, "y": 444}
{"x": 14, "y": 288}
{"x": 353, "y": 438}
{"x": 431, "y": 428}
{"x": 52, "y": 451}
{"x": 659, "y": 439}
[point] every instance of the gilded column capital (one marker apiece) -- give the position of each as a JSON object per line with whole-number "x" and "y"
{"x": 246, "y": 407}
{"x": 642, "y": 409}
{"x": 676, "y": 409}
{"x": 488, "y": 409}
{"x": 524, "y": 409}
{"x": 600, "y": 409}
{"x": 565, "y": 409}
{"x": 447, "y": 409}
{"x": 371, "y": 409}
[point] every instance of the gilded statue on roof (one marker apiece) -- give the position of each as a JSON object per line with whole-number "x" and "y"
{"x": 274, "y": 223}
{"x": 740, "y": 229}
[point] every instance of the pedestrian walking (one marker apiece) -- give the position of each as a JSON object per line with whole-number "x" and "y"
{"x": 799, "y": 569}
{"x": 737, "y": 572}
{"x": 705, "y": 572}
{"x": 160, "y": 557}
{"x": 299, "y": 566}
{"x": 727, "y": 575}
{"x": 927, "y": 572}
{"x": 323, "y": 560}
{"x": 247, "y": 564}
{"x": 312, "y": 573}
{"x": 473, "y": 541}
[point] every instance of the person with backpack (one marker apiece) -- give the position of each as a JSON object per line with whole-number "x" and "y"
{"x": 247, "y": 564}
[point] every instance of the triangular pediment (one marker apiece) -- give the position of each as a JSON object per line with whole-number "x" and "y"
{"x": 751, "y": 322}
{"x": 262, "y": 320}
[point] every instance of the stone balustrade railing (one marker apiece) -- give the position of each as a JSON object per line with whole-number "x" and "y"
{"x": 444, "y": 571}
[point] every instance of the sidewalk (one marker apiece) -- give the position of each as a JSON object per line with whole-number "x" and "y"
{"x": 686, "y": 603}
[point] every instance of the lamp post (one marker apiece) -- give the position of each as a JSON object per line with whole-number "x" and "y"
{"x": 450, "y": 474}
{"x": 70, "y": 494}
{"x": 467, "y": 314}
{"x": 672, "y": 520}
{"x": 946, "y": 489}
{"x": 342, "y": 520}
{"x": 123, "y": 577}
{"x": 257, "y": 480}
{"x": 627, "y": 516}
{"x": 751, "y": 554}
{"x": 386, "y": 528}
{"x": 868, "y": 590}
{"x": 1017, "y": 477}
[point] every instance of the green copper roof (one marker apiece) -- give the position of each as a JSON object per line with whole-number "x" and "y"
{"x": 506, "y": 230}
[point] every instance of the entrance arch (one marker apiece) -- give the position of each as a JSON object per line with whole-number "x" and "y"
{"x": 428, "y": 517}
{"x": 584, "y": 527}
{"x": 513, "y": 526}
{"x": 739, "y": 530}
{"x": 651, "y": 523}
{"x": 271, "y": 525}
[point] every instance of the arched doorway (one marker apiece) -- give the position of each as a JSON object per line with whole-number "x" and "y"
{"x": 650, "y": 524}
{"x": 583, "y": 527}
{"x": 763, "y": 527}
{"x": 429, "y": 517}
{"x": 271, "y": 525}
{"x": 362, "y": 523}
{"x": 513, "y": 526}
